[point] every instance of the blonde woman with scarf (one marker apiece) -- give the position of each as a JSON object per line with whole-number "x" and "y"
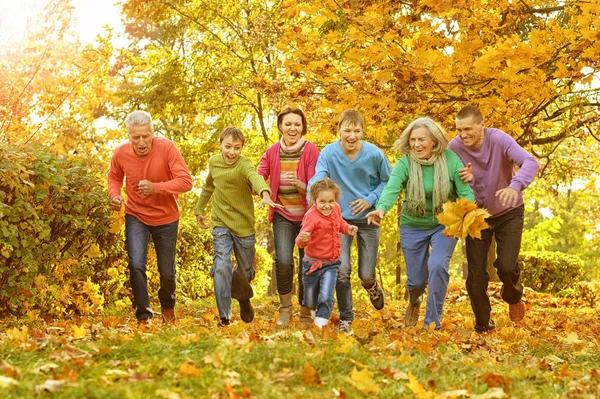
{"x": 288, "y": 165}
{"x": 428, "y": 173}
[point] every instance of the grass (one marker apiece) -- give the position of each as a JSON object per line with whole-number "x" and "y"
{"x": 553, "y": 353}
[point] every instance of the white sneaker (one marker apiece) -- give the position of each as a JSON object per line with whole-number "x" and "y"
{"x": 344, "y": 326}
{"x": 321, "y": 321}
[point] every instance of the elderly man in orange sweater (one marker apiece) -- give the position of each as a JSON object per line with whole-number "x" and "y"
{"x": 155, "y": 173}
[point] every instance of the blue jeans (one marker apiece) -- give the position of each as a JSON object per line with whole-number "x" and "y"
{"x": 427, "y": 268}
{"x": 284, "y": 235}
{"x": 319, "y": 286}
{"x": 367, "y": 240}
{"x": 508, "y": 229}
{"x": 137, "y": 237}
{"x": 224, "y": 244}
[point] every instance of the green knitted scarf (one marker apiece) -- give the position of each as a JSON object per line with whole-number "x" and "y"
{"x": 415, "y": 195}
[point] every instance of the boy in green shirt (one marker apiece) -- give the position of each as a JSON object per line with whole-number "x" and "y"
{"x": 232, "y": 178}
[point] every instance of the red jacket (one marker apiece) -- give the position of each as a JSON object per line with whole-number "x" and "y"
{"x": 325, "y": 242}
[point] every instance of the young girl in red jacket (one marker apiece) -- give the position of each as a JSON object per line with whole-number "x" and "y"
{"x": 320, "y": 238}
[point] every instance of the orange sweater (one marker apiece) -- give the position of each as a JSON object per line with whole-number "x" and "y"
{"x": 164, "y": 166}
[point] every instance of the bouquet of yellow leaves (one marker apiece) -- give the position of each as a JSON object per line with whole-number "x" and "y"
{"x": 462, "y": 217}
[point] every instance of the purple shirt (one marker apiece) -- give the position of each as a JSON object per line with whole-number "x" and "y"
{"x": 494, "y": 168}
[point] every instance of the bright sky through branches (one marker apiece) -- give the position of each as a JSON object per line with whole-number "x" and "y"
{"x": 16, "y": 16}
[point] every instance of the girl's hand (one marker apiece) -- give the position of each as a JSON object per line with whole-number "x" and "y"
{"x": 352, "y": 230}
{"x": 266, "y": 200}
{"x": 375, "y": 217}
{"x": 304, "y": 236}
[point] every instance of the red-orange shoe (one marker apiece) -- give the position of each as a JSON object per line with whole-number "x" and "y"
{"x": 169, "y": 316}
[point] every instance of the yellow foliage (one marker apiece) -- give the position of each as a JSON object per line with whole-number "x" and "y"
{"x": 463, "y": 218}
{"x": 363, "y": 381}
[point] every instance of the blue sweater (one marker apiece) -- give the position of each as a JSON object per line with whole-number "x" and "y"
{"x": 361, "y": 177}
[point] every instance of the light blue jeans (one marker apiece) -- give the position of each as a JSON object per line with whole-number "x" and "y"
{"x": 319, "y": 286}
{"x": 367, "y": 240}
{"x": 224, "y": 244}
{"x": 425, "y": 266}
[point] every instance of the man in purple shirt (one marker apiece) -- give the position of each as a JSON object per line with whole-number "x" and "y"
{"x": 490, "y": 156}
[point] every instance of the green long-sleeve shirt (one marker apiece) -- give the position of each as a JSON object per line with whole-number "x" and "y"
{"x": 398, "y": 182}
{"x": 232, "y": 187}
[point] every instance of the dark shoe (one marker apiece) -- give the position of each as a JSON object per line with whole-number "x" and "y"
{"x": 224, "y": 322}
{"x": 240, "y": 287}
{"x": 168, "y": 316}
{"x": 376, "y": 295}
{"x": 480, "y": 328}
{"x": 246, "y": 311}
{"x": 412, "y": 314}
{"x": 516, "y": 311}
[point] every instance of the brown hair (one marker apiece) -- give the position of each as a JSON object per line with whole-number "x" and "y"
{"x": 352, "y": 117}
{"x": 234, "y": 132}
{"x": 470, "y": 111}
{"x": 324, "y": 185}
{"x": 291, "y": 110}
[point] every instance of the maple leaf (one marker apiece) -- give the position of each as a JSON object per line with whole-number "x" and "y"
{"x": 463, "y": 218}
{"x": 363, "y": 381}
{"x": 78, "y": 331}
{"x": 187, "y": 369}
{"x": 417, "y": 388}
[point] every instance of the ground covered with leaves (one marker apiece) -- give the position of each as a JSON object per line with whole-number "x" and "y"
{"x": 553, "y": 353}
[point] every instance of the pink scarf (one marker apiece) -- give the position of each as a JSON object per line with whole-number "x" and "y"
{"x": 293, "y": 148}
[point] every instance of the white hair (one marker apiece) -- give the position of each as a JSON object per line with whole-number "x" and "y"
{"x": 138, "y": 118}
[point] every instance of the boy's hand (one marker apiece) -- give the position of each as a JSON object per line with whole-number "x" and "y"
{"x": 352, "y": 230}
{"x": 203, "y": 221}
{"x": 304, "y": 236}
{"x": 266, "y": 200}
{"x": 146, "y": 187}
{"x": 359, "y": 206}
{"x": 374, "y": 217}
{"x": 466, "y": 173}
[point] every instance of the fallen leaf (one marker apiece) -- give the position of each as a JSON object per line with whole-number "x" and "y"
{"x": 363, "y": 381}
{"x": 493, "y": 380}
{"x": 5, "y": 382}
{"x": 416, "y": 387}
{"x": 214, "y": 359}
{"x": 50, "y": 386}
{"x": 166, "y": 394}
{"x": 233, "y": 378}
{"x": 78, "y": 331}
{"x": 494, "y": 393}
{"x": 310, "y": 375}
{"x": 8, "y": 369}
{"x": 187, "y": 369}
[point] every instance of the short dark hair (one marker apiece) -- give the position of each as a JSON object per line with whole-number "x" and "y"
{"x": 470, "y": 111}
{"x": 291, "y": 110}
{"x": 233, "y": 132}
{"x": 323, "y": 185}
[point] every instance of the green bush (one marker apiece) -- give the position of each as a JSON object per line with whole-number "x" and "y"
{"x": 547, "y": 271}
{"x": 57, "y": 254}
{"x": 583, "y": 291}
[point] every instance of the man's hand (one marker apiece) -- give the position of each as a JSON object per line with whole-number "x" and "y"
{"x": 203, "y": 221}
{"x": 375, "y": 217}
{"x": 507, "y": 196}
{"x": 146, "y": 187}
{"x": 466, "y": 173}
{"x": 359, "y": 206}
{"x": 352, "y": 230}
{"x": 116, "y": 202}
{"x": 304, "y": 236}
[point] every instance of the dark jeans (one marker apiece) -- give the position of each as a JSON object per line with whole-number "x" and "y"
{"x": 284, "y": 236}
{"x": 367, "y": 239}
{"x": 319, "y": 286}
{"x": 137, "y": 237}
{"x": 507, "y": 229}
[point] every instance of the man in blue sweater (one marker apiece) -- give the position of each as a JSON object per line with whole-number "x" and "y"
{"x": 361, "y": 170}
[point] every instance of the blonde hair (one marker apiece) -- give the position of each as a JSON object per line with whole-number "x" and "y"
{"x": 324, "y": 185}
{"x": 436, "y": 132}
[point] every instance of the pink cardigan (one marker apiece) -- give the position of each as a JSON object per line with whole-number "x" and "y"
{"x": 270, "y": 169}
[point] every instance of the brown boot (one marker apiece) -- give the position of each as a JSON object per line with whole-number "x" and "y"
{"x": 306, "y": 318}
{"x": 285, "y": 309}
{"x": 168, "y": 316}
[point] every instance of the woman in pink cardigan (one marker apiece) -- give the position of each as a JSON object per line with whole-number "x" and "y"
{"x": 288, "y": 165}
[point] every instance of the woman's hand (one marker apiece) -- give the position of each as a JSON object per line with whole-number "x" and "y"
{"x": 375, "y": 217}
